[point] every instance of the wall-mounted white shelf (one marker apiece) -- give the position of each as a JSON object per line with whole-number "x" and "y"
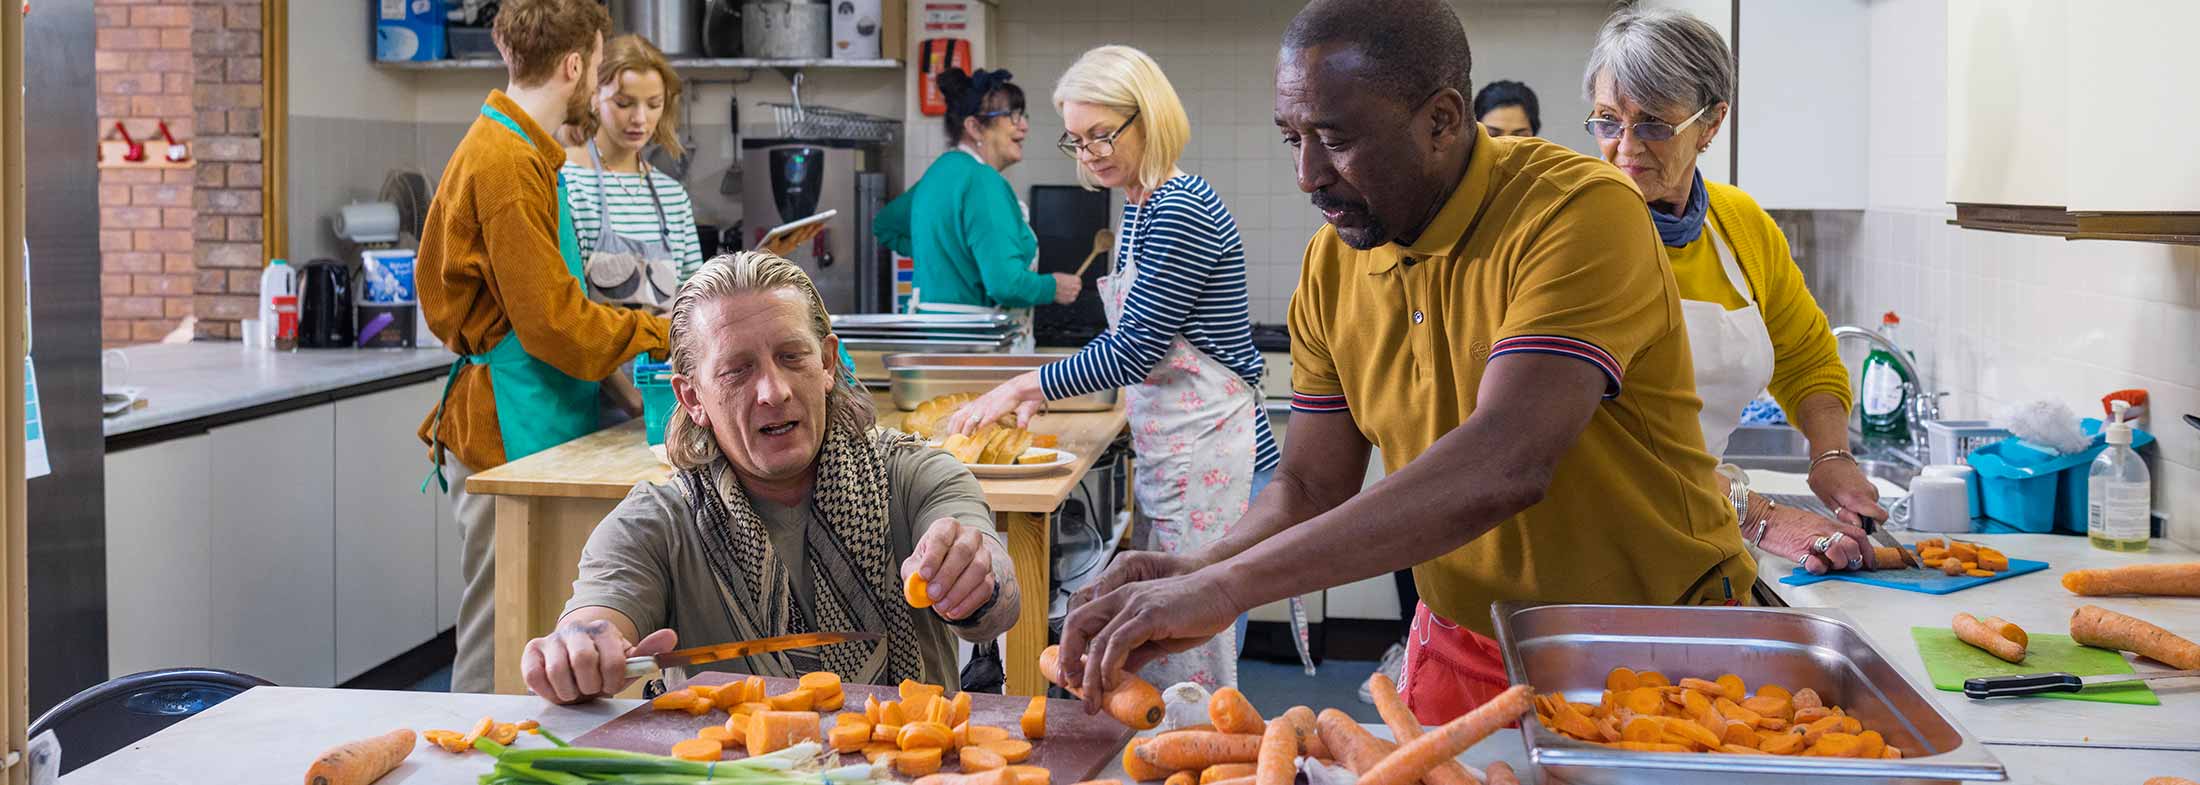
{"x": 681, "y": 63}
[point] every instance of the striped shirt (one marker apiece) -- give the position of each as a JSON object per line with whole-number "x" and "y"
{"x": 632, "y": 212}
{"x": 1191, "y": 282}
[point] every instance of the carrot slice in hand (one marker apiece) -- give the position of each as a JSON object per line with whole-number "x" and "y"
{"x": 916, "y": 592}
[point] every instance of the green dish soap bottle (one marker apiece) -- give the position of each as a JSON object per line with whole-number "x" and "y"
{"x": 1887, "y": 389}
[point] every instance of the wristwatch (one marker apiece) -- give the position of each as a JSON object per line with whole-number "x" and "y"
{"x": 972, "y": 619}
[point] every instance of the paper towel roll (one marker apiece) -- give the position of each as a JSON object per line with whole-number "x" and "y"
{"x": 367, "y": 222}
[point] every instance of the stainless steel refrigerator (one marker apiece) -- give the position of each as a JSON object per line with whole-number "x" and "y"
{"x": 792, "y": 179}
{"x": 66, "y": 509}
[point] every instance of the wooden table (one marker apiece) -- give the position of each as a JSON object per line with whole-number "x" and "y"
{"x": 549, "y": 502}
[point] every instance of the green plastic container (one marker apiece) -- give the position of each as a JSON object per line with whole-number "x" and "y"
{"x": 654, "y": 380}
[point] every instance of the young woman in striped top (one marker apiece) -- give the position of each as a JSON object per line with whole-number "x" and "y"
{"x": 1180, "y": 341}
{"x": 636, "y": 100}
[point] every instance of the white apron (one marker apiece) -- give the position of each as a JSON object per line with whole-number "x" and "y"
{"x": 1191, "y": 426}
{"x": 1732, "y": 350}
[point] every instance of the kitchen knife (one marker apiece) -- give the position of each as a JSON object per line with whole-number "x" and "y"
{"x": 2036, "y": 683}
{"x": 637, "y": 667}
{"x": 1880, "y": 537}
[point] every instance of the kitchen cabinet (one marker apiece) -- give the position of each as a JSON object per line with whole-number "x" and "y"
{"x": 386, "y": 578}
{"x": 295, "y": 547}
{"x": 1799, "y": 123}
{"x": 273, "y": 546}
{"x": 2130, "y": 180}
{"x": 2008, "y": 96}
{"x": 158, "y": 559}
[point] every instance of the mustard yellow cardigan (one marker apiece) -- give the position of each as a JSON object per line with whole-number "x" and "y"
{"x": 1805, "y": 358}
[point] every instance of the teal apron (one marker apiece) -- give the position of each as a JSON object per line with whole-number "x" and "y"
{"x": 538, "y": 406}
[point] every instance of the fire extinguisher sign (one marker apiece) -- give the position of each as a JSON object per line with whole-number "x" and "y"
{"x": 946, "y": 17}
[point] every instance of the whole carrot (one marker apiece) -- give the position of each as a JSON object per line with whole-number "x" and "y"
{"x": 1232, "y": 713}
{"x": 362, "y": 761}
{"x": 1501, "y": 773}
{"x": 1183, "y": 778}
{"x": 2002, "y": 640}
{"x": 1134, "y": 701}
{"x": 1302, "y": 722}
{"x": 1199, "y": 749}
{"x": 1226, "y": 771}
{"x": 1279, "y": 754}
{"x": 1406, "y": 727}
{"x": 1414, "y": 759}
{"x": 1357, "y": 748}
{"x": 2093, "y": 625}
{"x": 1135, "y": 765}
{"x": 2159, "y": 580}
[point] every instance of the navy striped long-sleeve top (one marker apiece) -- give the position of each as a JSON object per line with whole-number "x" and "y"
{"x": 1191, "y": 282}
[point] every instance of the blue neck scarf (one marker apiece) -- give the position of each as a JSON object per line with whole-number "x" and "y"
{"x": 1680, "y": 230}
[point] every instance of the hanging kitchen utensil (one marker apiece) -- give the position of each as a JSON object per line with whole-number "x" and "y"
{"x": 135, "y": 150}
{"x": 1103, "y": 241}
{"x": 797, "y": 121}
{"x": 177, "y": 151}
{"x": 729, "y": 184}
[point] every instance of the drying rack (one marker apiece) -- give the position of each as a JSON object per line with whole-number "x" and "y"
{"x": 826, "y": 122}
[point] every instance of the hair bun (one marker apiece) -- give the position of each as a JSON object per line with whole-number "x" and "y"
{"x": 953, "y": 84}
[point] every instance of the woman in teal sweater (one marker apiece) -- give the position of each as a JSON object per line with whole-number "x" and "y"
{"x": 961, "y": 222}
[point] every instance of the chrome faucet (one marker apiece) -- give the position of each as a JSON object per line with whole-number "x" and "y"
{"x": 1924, "y": 404}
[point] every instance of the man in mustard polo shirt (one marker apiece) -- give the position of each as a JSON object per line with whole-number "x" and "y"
{"x": 1496, "y": 315}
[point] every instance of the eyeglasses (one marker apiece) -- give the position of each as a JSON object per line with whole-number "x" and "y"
{"x": 1013, "y": 115}
{"x": 1647, "y": 130}
{"x": 1098, "y": 146}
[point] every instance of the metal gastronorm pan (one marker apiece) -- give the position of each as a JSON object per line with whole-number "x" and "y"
{"x": 1571, "y": 648}
{"x": 916, "y": 378}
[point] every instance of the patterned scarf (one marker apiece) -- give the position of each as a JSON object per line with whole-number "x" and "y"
{"x": 850, "y": 554}
{"x": 1679, "y": 230}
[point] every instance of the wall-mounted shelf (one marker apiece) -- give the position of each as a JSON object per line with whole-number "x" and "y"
{"x": 681, "y": 63}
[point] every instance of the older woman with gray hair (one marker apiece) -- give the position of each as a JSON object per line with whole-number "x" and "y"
{"x": 1660, "y": 83}
{"x": 790, "y": 513}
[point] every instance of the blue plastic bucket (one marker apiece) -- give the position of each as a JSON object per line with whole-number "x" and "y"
{"x": 654, "y": 380}
{"x": 2032, "y": 489}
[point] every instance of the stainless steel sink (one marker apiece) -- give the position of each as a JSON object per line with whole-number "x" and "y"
{"x": 1896, "y": 472}
{"x": 1783, "y": 449}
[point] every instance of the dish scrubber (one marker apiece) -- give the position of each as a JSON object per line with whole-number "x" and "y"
{"x": 2136, "y": 399}
{"x": 2046, "y": 424}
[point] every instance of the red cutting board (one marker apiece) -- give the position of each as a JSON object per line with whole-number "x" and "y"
{"x": 1077, "y": 747}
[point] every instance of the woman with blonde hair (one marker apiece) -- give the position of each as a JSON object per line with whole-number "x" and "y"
{"x": 1180, "y": 337}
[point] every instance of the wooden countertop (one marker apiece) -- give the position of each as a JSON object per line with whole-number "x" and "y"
{"x": 606, "y": 464}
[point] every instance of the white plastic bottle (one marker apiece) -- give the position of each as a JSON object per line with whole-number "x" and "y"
{"x": 2119, "y": 492}
{"x": 279, "y": 305}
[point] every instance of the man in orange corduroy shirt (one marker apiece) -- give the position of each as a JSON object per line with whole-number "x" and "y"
{"x": 500, "y": 283}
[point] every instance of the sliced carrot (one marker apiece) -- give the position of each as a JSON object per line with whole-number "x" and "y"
{"x": 874, "y": 751}
{"x": 959, "y": 711}
{"x": 1035, "y": 718}
{"x": 707, "y": 692}
{"x": 977, "y": 759}
{"x": 831, "y": 703}
{"x": 915, "y": 592}
{"x": 924, "y": 735}
{"x": 529, "y": 725}
{"x": 849, "y": 734}
{"x": 1012, "y": 750}
{"x": 772, "y": 731}
{"x": 718, "y": 733}
{"x": 504, "y": 733}
{"x": 481, "y": 729}
{"x": 872, "y": 709}
{"x": 891, "y": 734}
{"x": 675, "y": 700}
{"x": 892, "y": 713}
{"x": 737, "y": 729}
{"x": 981, "y": 734}
{"x": 1030, "y": 775}
{"x": 820, "y": 682}
{"x": 754, "y": 690}
{"x": 917, "y": 762}
{"x": 698, "y": 750}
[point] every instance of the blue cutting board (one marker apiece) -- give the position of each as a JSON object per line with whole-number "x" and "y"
{"x": 1921, "y": 580}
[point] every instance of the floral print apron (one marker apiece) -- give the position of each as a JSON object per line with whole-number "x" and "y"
{"x": 1191, "y": 426}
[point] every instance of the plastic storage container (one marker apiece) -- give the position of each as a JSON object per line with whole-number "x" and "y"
{"x": 2031, "y": 489}
{"x": 654, "y": 380}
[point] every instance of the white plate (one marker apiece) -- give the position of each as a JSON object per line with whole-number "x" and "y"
{"x": 1002, "y": 471}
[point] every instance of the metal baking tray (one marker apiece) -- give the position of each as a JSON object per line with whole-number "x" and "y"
{"x": 911, "y": 321}
{"x": 916, "y": 378}
{"x": 1570, "y": 649}
{"x": 904, "y": 345}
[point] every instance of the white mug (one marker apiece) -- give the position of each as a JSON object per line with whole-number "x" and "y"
{"x": 1939, "y": 504}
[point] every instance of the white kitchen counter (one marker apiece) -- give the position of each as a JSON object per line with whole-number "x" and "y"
{"x": 271, "y": 734}
{"x": 183, "y": 382}
{"x": 2038, "y": 603}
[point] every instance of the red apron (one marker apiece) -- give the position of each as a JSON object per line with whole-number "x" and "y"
{"x": 1449, "y": 669}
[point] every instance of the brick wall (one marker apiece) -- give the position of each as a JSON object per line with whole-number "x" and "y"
{"x": 179, "y": 242}
{"x": 144, "y": 65}
{"x": 225, "y": 44}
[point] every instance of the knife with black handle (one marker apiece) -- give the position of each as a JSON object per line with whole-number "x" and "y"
{"x": 2036, "y": 683}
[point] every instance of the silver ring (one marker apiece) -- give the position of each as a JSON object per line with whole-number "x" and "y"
{"x": 1819, "y": 546}
{"x": 1837, "y": 512}
{"x": 1856, "y": 562}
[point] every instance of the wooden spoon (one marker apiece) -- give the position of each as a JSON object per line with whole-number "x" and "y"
{"x": 1103, "y": 241}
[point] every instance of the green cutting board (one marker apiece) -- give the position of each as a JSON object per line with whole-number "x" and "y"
{"x": 1949, "y": 661}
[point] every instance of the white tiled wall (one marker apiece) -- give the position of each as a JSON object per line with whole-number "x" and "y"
{"x": 2002, "y": 318}
{"x": 1220, "y": 55}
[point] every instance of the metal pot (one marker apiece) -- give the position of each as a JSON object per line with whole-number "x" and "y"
{"x": 784, "y": 29}
{"x": 675, "y": 26}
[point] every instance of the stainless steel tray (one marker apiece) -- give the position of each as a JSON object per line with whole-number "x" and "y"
{"x": 1571, "y": 648}
{"x": 901, "y": 345}
{"x": 904, "y": 320}
{"x": 916, "y": 378}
